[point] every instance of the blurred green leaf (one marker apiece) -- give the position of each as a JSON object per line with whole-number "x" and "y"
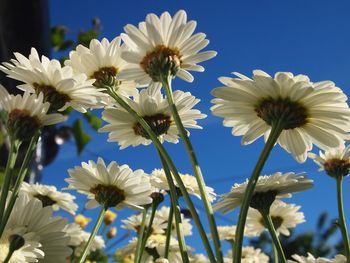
{"x": 81, "y": 137}
{"x": 84, "y": 38}
{"x": 58, "y": 41}
{"x": 94, "y": 121}
{"x": 98, "y": 256}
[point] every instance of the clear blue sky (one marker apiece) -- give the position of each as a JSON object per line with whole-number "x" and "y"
{"x": 308, "y": 37}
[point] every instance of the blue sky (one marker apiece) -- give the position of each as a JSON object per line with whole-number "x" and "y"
{"x": 307, "y": 37}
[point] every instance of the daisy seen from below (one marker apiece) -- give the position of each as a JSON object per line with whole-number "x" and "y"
{"x": 101, "y": 62}
{"x": 284, "y": 217}
{"x": 134, "y": 223}
{"x": 311, "y": 259}
{"x": 335, "y": 161}
{"x": 155, "y": 248}
{"x": 59, "y": 85}
{"x": 162, "y": 214}
{"x": 110, "y": 186}
{"x": 163, "y": 45}
{"x": 228, "y": 233}
{"x": 277, "y": 185}
{"x": 31, "y": 217}
{"x": 23, "y": 246}
{"x": 49, "y": 196}
{"x": 26, "y": 114}
{"x": 249, "y": 255}
{"x": 306, "y": 113}
{"x": 79, "y": 238}
{"x": 158, "y": 179}
{"x": 154, "y": 108}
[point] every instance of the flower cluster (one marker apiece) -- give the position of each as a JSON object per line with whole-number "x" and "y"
{"x": 130, "y": 79}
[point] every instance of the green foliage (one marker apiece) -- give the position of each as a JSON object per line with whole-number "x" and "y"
{"x": 94, "y": 121}
{"x": 58, "y": 41}
{"x": 81, "y": 137}
{"x": 85, "y": 37}
{"x": 98, "y": 256}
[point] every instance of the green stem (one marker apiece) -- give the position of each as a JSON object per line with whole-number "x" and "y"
{"x": 175, "y": 205}
{"x": 149, "y": 227}
{"x": 275, "y": 253}
{"x": 276, "y": 130}
{"x": 20, "y": 178}
{"x": 276, "y": 242}
{"x": 166, "y": 81}
{"x": 138, "y": 254}
{"x": 93, "y": 234}
{"x": 7, "y": 176}
{"x": 8, "y": 257}
{"x": 342, "y": 222}
{"x": 172, "y": 167}
{"x": 168, "y": 231}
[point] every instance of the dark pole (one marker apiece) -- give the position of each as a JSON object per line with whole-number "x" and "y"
{"x": 23, "y": 24}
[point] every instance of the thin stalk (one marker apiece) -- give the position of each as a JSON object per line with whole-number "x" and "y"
{"x": 166, "y": 81}
{"x": 168, "y": 231}
{"x": 20, "y": 178}
{"x": 93, "y": 234}
{"x": 342, "y": 222}
{"x": 275, "y": 253}
{"x": 276, "y": 242}
{"x": 7, "y": 176}
{"x": 175, "y": 205}
{"x": 149, "y": 227}
{"x": 276, "y": 130}
{"x": 138, "y": 253}
{"x": 172, "y": 167}
{"x": 8, "y": 257}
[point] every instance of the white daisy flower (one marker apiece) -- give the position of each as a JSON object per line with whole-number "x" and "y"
{"x": 29, "y": 215}
{"x": 101, "y": 61}
{"x": 163, "y": 215}
{"x": 111, "y": 185}
{"x": 284, "y": 217}
{"x": 311, "y": 113}
{"x": 311, "y": 259}
{"x": 249, "y": 255}
{"x": 75, "y": 233}
{"x": 199, "y": 258}
{"x": 134, "y": 223}
{"x": 97, "y": 243}
{"x": 155, "y": 248}
{"x": 158, "y": 179}
{"x": 28, "y": 248}
{"x": 335, "y": 161}
{"x": 154, "y": 108}
{"x": 228, "y": 233}
{"x": 49, "y": 196}
{"x": 59, "y": 85}
{"x": 26, "y": 114}
{"x": 278, "y": 184}
{"x": 163, "y": 43}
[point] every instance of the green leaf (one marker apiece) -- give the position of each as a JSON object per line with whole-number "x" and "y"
{"x": 84, "y": 38}
{"x": 81, "y": 137}
{"x": 94, "y": 121}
